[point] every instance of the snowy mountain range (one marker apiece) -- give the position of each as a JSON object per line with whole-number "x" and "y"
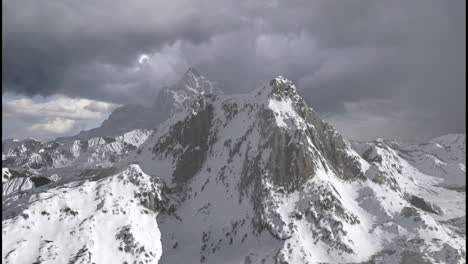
{"x": 205, "y": 177}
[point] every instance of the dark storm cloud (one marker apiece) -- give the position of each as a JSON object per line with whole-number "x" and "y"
{"x": 401, "y": 62}
{"x": 60, "y": 46}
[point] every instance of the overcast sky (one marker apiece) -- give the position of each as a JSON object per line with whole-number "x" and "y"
{"x": 393, "y": 69}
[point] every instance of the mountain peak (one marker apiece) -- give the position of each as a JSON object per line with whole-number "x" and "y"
{"x": 195, "y": 83}
{"x": 191, "y": 76}
{"x": 281, "y": 85}
{"x": 191, "y": 72}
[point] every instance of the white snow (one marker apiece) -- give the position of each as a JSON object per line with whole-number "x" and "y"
{"x": 80, "y": 221}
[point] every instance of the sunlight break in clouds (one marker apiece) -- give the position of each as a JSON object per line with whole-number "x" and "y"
{"x": 56, "y": 125}
{"x": 58, "y": 115}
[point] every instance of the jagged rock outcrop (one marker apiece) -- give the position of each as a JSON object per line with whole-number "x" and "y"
{"x": 102, "y": 151}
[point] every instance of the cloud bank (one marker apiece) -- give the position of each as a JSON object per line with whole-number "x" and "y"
{"x": 397, "y": 67}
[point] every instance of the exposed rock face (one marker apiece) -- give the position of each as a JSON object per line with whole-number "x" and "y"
{"x": 290, "y": 148}
{"x": 189, "y": 140}
{"x": 424, "y": 205}
{"x": 289, "y": 164}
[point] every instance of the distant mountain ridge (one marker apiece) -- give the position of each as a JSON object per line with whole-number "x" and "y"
{"x": 168, "y": 100}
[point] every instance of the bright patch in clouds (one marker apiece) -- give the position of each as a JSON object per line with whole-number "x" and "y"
{"x": 143, "y": 59}
{"x": 54, "y": 116}
{"x": 58, "y": 106}
{"x": 57, "y": 125}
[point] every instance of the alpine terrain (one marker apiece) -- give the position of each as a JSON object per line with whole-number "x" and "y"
{"x": 206, "y": 177}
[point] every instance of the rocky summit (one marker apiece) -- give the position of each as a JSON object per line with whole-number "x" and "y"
{"x": 218, "y": 178}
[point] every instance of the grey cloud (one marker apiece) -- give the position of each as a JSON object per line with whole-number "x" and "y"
{"x": 54, "y": 46}
{"x": 57, "y": 116}
{"x": 409, "y": 54}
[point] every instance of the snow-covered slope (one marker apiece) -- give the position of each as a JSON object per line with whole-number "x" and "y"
{"x": 443, "y": 157}
{"x": 110, "y": 220}
{"x": 251, "y": 178}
